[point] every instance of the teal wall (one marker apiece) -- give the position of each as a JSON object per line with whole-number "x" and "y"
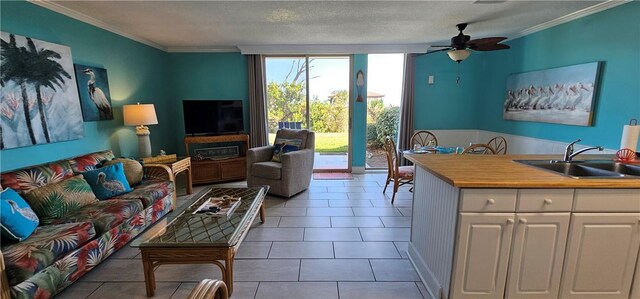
{"x": 197, "y": 76}
{"x": 447, "y": 104}
{"x": 359, "y": 114}
{"x": 137, "y": 73}
{"x": 611, "y": 36}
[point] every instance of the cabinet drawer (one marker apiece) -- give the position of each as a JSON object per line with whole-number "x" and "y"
{"x": 488, "y": 200}
{"x": 233, "y": 169}
{"x": 607, "y": 200}
{"x": 545, "y": 200}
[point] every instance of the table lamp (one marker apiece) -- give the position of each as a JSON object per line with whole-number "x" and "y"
{"x": 140, "y": 115}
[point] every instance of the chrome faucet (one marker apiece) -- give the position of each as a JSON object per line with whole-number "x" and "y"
{"x": 569, "y": 154}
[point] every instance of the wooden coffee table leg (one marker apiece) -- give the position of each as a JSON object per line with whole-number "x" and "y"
{"x": 229, "y": 274}
{"x": 149, "y": 277}
{"x": 262, "y": 213}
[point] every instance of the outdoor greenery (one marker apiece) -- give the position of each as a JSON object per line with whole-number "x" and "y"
{"x": 329, "y": 117}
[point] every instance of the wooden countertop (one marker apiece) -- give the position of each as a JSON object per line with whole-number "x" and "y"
{"x": 500, "y": 171}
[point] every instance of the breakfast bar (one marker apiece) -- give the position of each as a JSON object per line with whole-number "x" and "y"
{"x": 486, "y": 226}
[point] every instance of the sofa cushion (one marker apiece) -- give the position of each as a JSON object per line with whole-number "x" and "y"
{"x": 105, "y": 214}
{"x": 149, "y": 191}
{"x": 55, "y": 200}
{"x": 282, "y": 146}
{"x": 44, "y": 247}
{"x": 267, "y": 170}
{"x": 26, "y": 179}
{"x": 133, "y": 170}
{"x": 107, "y": 181}
{"x": 17, "y": 219}
{"x": 90, "y": 161}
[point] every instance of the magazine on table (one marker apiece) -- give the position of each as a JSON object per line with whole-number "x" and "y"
{"x": 218, "y": 206}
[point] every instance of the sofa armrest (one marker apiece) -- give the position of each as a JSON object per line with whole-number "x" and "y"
{"x": 158, "y": 171}
{"x": 4, "y": 291}
{"x": 260, "y": 154}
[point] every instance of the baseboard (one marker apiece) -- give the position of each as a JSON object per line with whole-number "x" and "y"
{"x": 357, "y": 169}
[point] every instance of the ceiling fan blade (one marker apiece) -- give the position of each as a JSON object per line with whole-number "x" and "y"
{"x": 439, "y": 50}
{"x": 490, "y": 47}
{"x": 486, "y": 40}
{"x": 447, "y": 46}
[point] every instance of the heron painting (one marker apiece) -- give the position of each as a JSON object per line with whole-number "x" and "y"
{"x": 93, "y": 87}
{"x": 39, "y": 98}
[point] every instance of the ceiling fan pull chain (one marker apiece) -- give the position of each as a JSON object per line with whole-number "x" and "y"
{"x": 458, "y": 77}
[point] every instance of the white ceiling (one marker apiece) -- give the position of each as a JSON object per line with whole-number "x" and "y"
{"x": 359, "y": 26}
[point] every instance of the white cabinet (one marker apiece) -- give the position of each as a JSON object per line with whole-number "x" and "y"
{"x": 537, "y": 254}
{"x": 601, "y": 255}
{"x": 482, "y": 255}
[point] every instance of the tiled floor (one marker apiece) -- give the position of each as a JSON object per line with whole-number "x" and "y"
{"x": 339, "y": 239}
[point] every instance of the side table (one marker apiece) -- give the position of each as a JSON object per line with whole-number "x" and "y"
{"x": 177, "y": 165}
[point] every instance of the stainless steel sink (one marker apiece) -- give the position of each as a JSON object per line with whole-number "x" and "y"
{"x": 587, "y": 169}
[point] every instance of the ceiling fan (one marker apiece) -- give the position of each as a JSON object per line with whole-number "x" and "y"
{"x": 460, "y": 45}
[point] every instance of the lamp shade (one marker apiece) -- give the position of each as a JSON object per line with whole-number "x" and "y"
{"x": 458, "y": 55}
{"x": 139, "y": 114}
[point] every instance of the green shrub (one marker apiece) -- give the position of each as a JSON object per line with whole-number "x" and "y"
{"x": 372, "y": 135}
{"x": 387, "y": 124}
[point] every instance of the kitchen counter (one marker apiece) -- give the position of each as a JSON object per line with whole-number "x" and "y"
{"x": 500, "y": 171}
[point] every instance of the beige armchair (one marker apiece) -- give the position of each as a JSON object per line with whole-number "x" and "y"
{"x": 286, "y": 178}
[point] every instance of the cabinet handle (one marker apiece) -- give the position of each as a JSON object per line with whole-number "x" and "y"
{"x": 491, "y": 201}
{"x": 548, "y": 201}
{"x": 522, "y": 220}
{"x": 510, "y": 221}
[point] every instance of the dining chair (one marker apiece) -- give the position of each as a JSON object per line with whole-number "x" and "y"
{"x": 423, "y": 138}
{"x": 479, "y": 148}
{"x": 397, "y": 174}
{"x": 499, "y": 145}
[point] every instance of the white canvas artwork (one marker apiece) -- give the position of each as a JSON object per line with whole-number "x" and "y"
{"x": 563, "y": 95}
{"x": 39, "y": 94}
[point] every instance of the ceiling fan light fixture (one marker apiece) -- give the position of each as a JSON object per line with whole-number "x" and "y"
{"x": 458, "y": 55}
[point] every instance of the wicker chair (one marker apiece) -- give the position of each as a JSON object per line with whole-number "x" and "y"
{"x": 397, "y": 174}
{"x": 478, "y": 148}
{"x": 209, "y": 289}
{"x": 499, "y": 144}
{"x": 423, "y": 138}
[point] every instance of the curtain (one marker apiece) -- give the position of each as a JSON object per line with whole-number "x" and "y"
{"x": 405, "y": 130}
{"x": 257, "y": 103}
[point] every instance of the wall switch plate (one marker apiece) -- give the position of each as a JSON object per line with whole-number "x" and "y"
{"x": 431, "y": 80}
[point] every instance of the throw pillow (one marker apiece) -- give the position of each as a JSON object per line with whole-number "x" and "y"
{"x": 108, "y": 181}
{"x": 132, "y": 169}
{"x": 283, "y": 146}
{"x": 17, "y": 219}
{"x": 55, "y": 200}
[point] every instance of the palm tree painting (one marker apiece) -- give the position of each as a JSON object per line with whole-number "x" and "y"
{"x": 93, "y": 87}
{"x": 39, "y": 98}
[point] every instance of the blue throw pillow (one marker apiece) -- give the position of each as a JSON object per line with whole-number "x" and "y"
{"x": 283, "y": 146}
{"x": 17, "y": 219}
{"x": 108, "y": 181}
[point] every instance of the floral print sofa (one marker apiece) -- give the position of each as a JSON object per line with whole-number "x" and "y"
{"x": 56, "y": 255}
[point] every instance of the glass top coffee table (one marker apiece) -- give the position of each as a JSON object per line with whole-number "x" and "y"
{"x": 196, "y": 239}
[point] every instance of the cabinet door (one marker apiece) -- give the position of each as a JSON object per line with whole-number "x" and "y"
{"x": 537, "y": 255}
{"x": 601, "y": 255}
{"x": 482, "y": 255}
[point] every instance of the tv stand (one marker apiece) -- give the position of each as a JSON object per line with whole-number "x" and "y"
{"x": 213, "y": 171}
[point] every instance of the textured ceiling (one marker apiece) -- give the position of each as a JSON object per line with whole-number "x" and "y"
{"x": 176, "y": 25}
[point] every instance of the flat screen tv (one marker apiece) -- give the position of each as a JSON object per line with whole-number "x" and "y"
{"x": 213, "y": 117}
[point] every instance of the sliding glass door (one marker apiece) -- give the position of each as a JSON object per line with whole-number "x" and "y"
{"x": 312, "y": 92}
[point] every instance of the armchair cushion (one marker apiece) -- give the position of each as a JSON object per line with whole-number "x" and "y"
{"x": 267, "y": 170}
{"x": 283, "y": 146}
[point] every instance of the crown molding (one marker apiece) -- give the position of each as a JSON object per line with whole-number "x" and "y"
{"x": 93, "y": 21}
{"x": 202, "y": 49}
{"x": 334, "y": 49}
{"x": 570, "y": 17}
